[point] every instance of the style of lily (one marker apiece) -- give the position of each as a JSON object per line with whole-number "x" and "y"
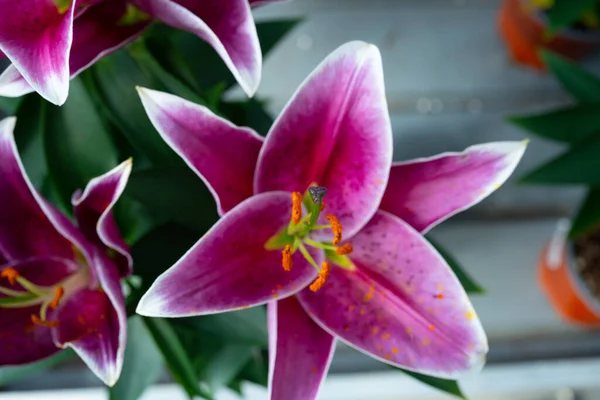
{"x": 51, "y": 41}
{"x": 350, "y": 264}
{"x": 60, "y": 283}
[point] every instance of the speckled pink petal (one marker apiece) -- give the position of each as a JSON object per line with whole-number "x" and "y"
{"x": 299, "y": 352}
{"x": 97, "y": 32}
{"x": 37, "y": 38}
{"x": 226, "y": 25}
{"x": 93, "y": 211}
{"x": 26, "y": 230}
{"x": 401, "y": 304}
{"x": 204, "y": 141}
{"x": 427, "y": 191}
{"x": 229, "y": 267}
{"x": 335, "y": 132}
{"x": 21, "y": 341}
{"x": 90, "y": 325}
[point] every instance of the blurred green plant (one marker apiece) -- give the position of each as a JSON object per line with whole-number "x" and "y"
{"x": 575, "y": 14}
{"x": 578, "y": 127}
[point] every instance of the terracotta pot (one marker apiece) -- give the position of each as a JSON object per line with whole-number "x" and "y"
{"x": 522, "y": 27}
{"x": 562, "y": 284}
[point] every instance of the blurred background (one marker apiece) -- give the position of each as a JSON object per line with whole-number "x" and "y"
{"x": 453, "y": 80}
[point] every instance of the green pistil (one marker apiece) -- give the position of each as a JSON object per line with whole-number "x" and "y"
{"x": 32, "y": 288}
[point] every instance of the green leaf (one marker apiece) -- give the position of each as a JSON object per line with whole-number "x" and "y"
{"x": 78, "y": 147}
{"x": 9, "y": 105}
{"x": 445, "y": 385}
{"x": 465, "y": 279}
{"x": 588, "y": 216}
{"x": 142, "y": 364}
{"x": 134, "y": 219}
{"x": 176, "y": 193}
{"x": 570, "y": 125}
{"x": 175, "y": 356}
{"x": 244, "y": 326}
{"x": 29, "y": 371}
{"x": 578, "y": 165}
{"x": 584, "y": 86}
{"x": 251, "y": 113}
{"x": 30, "y": 139}
{"x": 225, "y": 365}
{"x": 565, "y": 12}
{"x": 116, "y": 78}
{"x": 257, "y": 370}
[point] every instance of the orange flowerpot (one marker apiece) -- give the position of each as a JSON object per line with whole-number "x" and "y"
{"x": 523, "y": 29}
{"x": 562, "y": 284}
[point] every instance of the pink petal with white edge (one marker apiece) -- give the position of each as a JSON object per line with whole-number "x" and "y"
{"x": 226, "y": 25}
{"x": 93, "y": 210}
{"x": 299, "y": 352}
{"x": 37, "y": 39}
{"x": 26, "y": 230}
{"x": 335, "y": 132}
{"x": 94, "y": 324}
{"x": 427, "y": 191}
{"x": 97, "y": 32}
{"x": 204, "y": 141}
{"x": 401, "y": 304}
{"x": 229, "y": 267}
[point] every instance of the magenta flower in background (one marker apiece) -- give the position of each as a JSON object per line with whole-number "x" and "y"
{"x": 383, "y": 289}
{"x": 51, "y": 41}
{"x": 58, "y": 286}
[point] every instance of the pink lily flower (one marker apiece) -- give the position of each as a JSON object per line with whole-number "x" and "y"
{"x": 51, "y": 41}
{"x": 58, "y": 286}
{"x": 382, "y": 288}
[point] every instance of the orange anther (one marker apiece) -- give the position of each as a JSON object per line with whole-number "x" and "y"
{"x": 336, "y": 228}
{"x": 344, "y": 249}
{"x": 286, "y": 259}
{"x": 58, "y": 294}
{"x": 320, "y": 281}
{"x": 10, "y": 274}
{"x": 296, "y": 207}
{"x": 439, "y": 296}
{"x": 48, "y": 324}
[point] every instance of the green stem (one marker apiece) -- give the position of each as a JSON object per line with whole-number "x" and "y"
{"x": 307, "y": 255}
{"x": 31, "y": 287}
{"x": 11, "y": 293}
{"x": 318, "y": 245}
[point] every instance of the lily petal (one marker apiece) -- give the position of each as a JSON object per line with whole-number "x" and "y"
{"x": 204, "y": 141}
{"x": 25, "y": 228}
{"x": 94, "y": 324}
{"x": 229, "y": 267}
{"x": 299, "y": 352}
{"x": 401, "y": 304}
{"x": 97, "y": 32}
{"x": 335, "y": 132}
{"x": 37, "y": 38}
{"x": 226, "y": 25}
{"x": 22, "y": 341}
{"x": 93, "y": 210}
{"x": 256, "y": 3}
{"x": 427, "y": 191}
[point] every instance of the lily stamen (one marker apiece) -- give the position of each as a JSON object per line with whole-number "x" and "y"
{"x": 344, "y": 249}
{"x": 10, "y": 274}
{"x": 286, "y": 260}
{"x": 320, "y": 281}
{"x": 296, "y": 207}
{"x": 336, "y": 228}
{"x": 41, "y": 322}
{"x": 58, "y": 294}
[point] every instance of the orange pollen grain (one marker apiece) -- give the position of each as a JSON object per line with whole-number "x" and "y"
{"x": 286, "y": 258}
{"x": 431, "y": 327}
{"x": 58, "y": 294}
{"x": 369, "y": 295}
{"x": 48, "y": 324}
{"x": 344, "y": 249}
{"x": 395, "y": 350}
{"x": 336, "y": 228}
{"x": 10, "y": 274}
{"x": 296, "y": 207}
{"x": 439, "y": 296}
{"x": 386, "y": 336}
{"x": 320, "y": 281}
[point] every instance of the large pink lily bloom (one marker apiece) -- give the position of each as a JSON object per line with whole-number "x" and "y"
{"x": 58, "y": 286}
{"x": 48, "y": 44}
{"x": 393, "y": 297}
